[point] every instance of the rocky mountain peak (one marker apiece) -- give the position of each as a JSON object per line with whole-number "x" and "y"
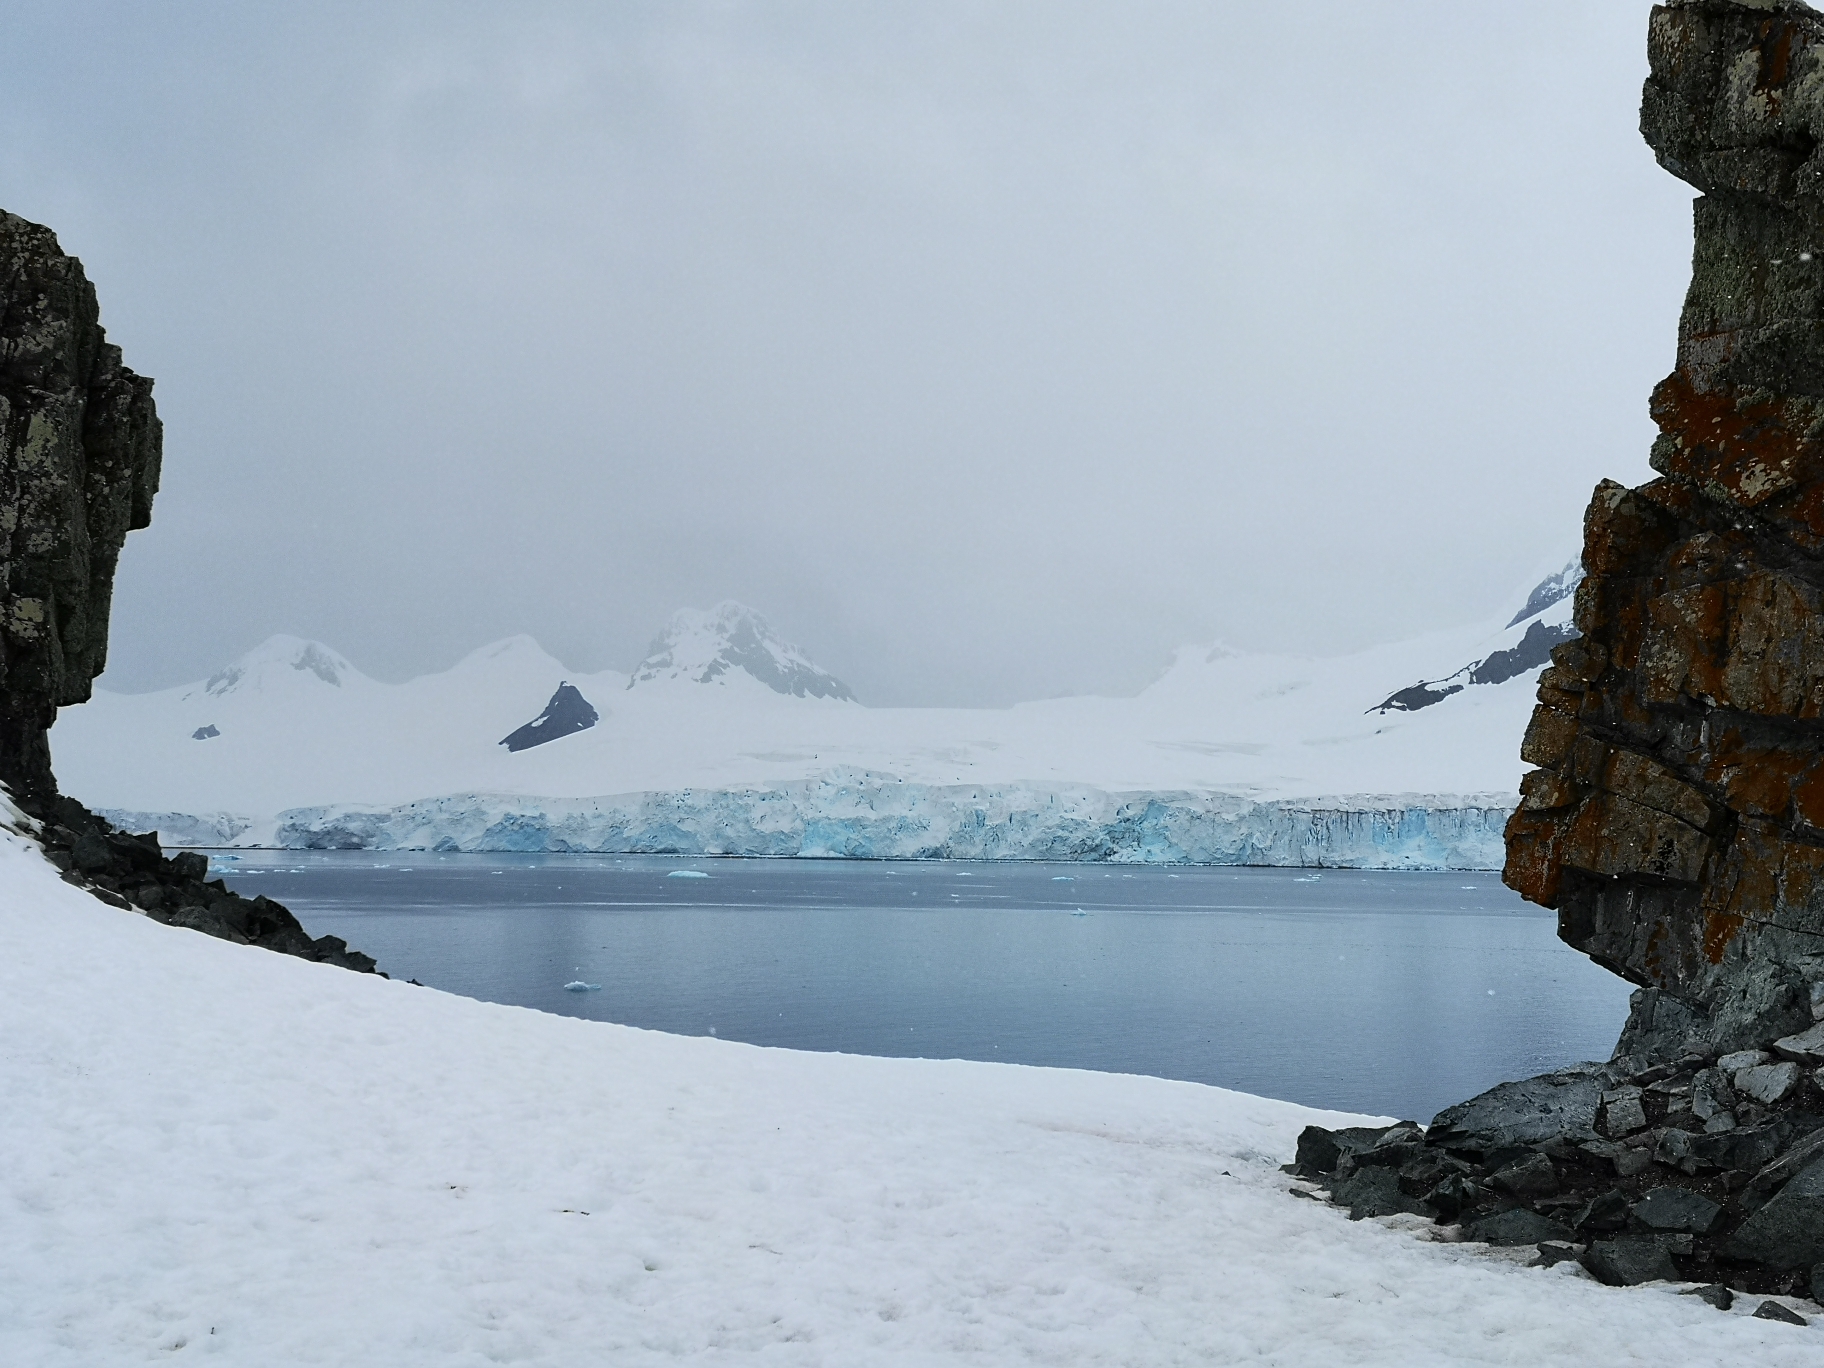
{"x": 275, "y": 660}
{"x": 719, "y": 645}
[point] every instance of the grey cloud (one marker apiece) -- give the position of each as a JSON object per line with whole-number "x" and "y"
{"x": 989, "y": 350}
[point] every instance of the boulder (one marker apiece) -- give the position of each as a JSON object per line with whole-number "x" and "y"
{"x": 1788, "y": 1232}
{"x": 1716, "y": 1294}
{"x": 1603, "y": 1214}
{"x": 1774, "y": 1311}
{"x": 1769, "y": 1083}
{"x": 1376, "y": 1191}
{"x": 1733, "y": 1063}
{"x": 1319, "y": 1150}
{"x": 1623, "y": 1112}
{"x": 1528, "y": 1178}
{"x": 1631, "y": 1259}
{"x": 1667, "y": 1210}
{"x": 1512, "y": 1115}
{"x": 1807, "y": 1047}
{"x": 1517, "y": 1226}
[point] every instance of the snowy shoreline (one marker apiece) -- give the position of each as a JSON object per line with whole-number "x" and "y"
{"x": 878, "y": 817}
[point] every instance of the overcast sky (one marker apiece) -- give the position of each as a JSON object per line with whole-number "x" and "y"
{"x": 990, "y": 348}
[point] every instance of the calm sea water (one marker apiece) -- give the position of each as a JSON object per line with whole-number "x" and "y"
{"x": 1379, "y": 992}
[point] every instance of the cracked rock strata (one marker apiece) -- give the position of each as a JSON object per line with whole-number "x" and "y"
{"x": 1675, "y": 819}
{"x": 80, "y": 446}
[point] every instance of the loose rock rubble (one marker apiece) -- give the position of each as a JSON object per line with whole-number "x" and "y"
{"x": 1703, "y": 1169}
{"x": 129, "y": 871}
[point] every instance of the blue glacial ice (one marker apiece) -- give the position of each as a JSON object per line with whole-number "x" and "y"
{"x": 866, "y": 815}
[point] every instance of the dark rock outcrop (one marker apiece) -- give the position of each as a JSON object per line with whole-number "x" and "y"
{"x": 1676, "y": 817}
{"x": 80, "y": 446}
{"x": 80, "y": 449}
{"x": 129, "y": 871}
{"x": 568, "y": 712}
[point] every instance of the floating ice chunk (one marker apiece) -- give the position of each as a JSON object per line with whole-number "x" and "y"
{"x": 1062, "y": 878}
{"x": 578, "y": 986}
{"x": 687, "y": 874}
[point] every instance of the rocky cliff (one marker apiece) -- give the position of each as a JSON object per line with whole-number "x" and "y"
{"x": 80, "y": 446}
{"x": 1676, "y": 820}
{"x": 79, "y": 462}
{"x": 1676, "y": 817}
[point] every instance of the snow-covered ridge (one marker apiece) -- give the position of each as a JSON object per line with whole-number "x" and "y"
{"x": 264, "y": 667}
{"x": 729, "y": 641}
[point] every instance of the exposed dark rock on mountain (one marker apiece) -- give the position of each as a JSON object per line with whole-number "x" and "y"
{"x": 80, "y": 448}
{"x": 1529, "y": 653}
{"x": 567, "y": 712}
{"x": 1552, "y": 589}
{"x": 79, "y": 462}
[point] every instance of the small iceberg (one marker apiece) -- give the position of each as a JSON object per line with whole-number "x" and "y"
{"x": 1312, "y": 878}
{"x": 687, "y": 874}
{"x": 1062, "y": 878}
{"x": 580, "y": 987}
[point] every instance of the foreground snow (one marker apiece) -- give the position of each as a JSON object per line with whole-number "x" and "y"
{"x": 215, "y": 1152}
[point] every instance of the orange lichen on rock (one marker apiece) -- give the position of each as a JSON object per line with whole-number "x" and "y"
{"x": 1676, "y": 817}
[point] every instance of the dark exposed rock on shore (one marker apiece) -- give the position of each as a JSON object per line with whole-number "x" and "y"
{"x": 1704, "y": 1169}
{"x": 129, "y": 871}
{"x": 80, "y": 446}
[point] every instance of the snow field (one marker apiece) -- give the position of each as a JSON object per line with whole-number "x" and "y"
{"x": 217, "y": 1153}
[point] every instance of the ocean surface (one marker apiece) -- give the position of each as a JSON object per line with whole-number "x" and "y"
{"x": 1391, "y": 993}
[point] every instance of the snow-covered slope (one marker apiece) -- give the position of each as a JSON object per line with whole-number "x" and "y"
{"x": 711, "y": 747}
{"x": 214, "y": 1152}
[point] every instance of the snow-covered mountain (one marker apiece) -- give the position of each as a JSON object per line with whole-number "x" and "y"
{"x": 727, "y": 740}
{"x": 729, "y": 645}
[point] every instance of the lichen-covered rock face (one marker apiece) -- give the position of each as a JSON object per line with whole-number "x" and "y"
{"x": 1676, "y": 817}
{"x": 79, "y": 464}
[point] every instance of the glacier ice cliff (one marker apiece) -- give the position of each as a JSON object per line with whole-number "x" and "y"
{"x": 872, "y": 816}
